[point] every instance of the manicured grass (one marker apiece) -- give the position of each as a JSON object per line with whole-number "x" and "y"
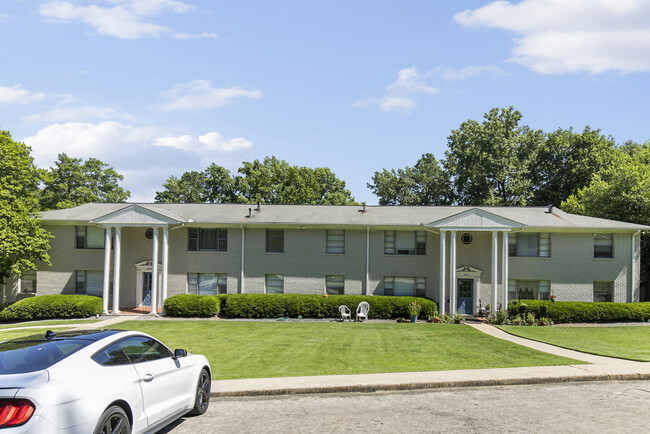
{"x": 628, "y": 342}
{"x": 269, "y": 349}
{"x": 47, "y": 322}
{"x": 13, "y": 334}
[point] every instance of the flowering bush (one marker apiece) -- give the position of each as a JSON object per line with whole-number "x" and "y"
{"x": 414, "y": 308}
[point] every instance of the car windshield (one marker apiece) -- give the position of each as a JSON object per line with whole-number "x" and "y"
{"x": 20, "y": 356}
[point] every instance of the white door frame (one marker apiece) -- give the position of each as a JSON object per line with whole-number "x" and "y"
{"x": 141, "y": 268}
{"x": 467, "y": 272}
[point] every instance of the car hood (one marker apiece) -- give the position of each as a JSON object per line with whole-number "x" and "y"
{"x": 20, "y": 381}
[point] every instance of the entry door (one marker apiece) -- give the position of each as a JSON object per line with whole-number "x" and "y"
{"x": 465, "y": 296}
{"x": 146, "y": 289}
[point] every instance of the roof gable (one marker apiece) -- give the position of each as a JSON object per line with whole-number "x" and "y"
{"x": 136, "y": 215}
{"x": 476, "y": 219}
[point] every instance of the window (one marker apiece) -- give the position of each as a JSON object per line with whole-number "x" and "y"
{"x": 215, "y": 240}
{"x": 466, "y": 238}
{"x": 274, "y": 283}
{"x": 111, "y": 356}
{"x": 89, "y": 237}
{"x": 149, "y": 234}
{"x": 90, "y": 283}
{"x": 207, "y": 283}
{"x": 28, "y": 282}
{"x": 404, "y": 286}
{"x": 405, "y": 242}
{"x": 529, "y": 289}
{"x": 603, "y": 291}
{"x": 142, "y": 349}
{"x": 334, "y": 285}
{"x": 529, "y": 245}
{"x": 335, "y": 241}
{"x": 603, "y": 246}
{"x": 275, "y": 240}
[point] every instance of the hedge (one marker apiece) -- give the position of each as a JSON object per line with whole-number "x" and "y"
{"x": 576, "y": 312}
{"x": 52, "y": 307}
{"x": 318, "y": 306}
{"x": 192, "y": 305}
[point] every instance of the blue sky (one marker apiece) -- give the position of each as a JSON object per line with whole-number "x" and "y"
{"x": 158, "y": 87}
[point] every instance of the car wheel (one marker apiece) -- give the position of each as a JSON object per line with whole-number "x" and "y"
{"x": 202, "y": 393}
{"x": 113, "y": 421}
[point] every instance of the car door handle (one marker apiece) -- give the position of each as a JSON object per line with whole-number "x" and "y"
{"x": 148, "y": 377}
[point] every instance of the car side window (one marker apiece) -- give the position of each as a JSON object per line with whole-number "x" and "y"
{"x": 143, "y": 349}
{"x": 111, "y": 356}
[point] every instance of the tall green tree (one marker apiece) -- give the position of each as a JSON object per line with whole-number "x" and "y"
{"x": 566, "y": 162}
{"x": 72, "y": 182}
{"x": 23, "y": 242}
{"x": 426, "y": 183}
{"x": 488, "y": 162}
{"x": 213, "y": 185}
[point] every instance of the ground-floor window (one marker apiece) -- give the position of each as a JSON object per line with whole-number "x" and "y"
{"x": 207, "y": 283}
{"x": 335, "y": 284}
{"x": 603, "y": 291}
{"x": 404, "y": 286}
{"x": 274, "y": 283}
{"x": 528, "y": 289}
{"x": 90, "y": 282}
{"x": 28, "y": 282}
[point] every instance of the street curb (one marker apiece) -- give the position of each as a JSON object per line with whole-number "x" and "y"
{"x": 369, "y": 388}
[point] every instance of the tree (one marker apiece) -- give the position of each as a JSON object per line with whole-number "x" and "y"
{"x": 488, "y": 163}
{"x": 213, "y": 185}
{"x": 427, "y": 183}
{"x": 23, "y": 242}
{"x": 566, "y": 162}
{"x": 72, "y": 182}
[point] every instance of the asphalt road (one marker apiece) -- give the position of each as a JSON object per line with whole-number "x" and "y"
{"x": 550, "y": 408}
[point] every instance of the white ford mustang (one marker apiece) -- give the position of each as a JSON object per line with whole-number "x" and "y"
{"x": 98, "y": 381}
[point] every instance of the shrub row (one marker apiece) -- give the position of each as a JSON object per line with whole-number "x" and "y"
{"x": 574, "y": 311}
{"x": 192, "y": 305}
{"x": 289, "y": 305}
{"x": 53, "y": 306}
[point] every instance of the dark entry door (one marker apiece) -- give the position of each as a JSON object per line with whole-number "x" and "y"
{"x": 146, "y": 289}
{"x": 465, "y": 296}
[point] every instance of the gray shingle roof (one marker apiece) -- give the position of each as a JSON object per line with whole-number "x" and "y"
{"x": 337, "y": 215}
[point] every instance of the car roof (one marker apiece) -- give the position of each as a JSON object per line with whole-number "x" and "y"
{"x": 86, "y": 335}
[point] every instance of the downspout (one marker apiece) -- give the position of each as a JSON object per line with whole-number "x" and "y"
{"x": 632, "y": 269}
{"x": 367, "y": 259}
{"x": 241, "y": 276}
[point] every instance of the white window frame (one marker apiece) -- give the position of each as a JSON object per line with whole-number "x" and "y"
{"x": 541, "y": 290}
{"x": 273, "y": 282}
{"x": 419, "y": 285}
{"x": 194, "y": 240}
{"x": 220, "y": 279}
{"x": 335, "y": 284}
{"x": 605, "y": 288}
{"x": 604, "y": 240}
{"x": 543, "y": 245}
{"x": 399, "y": 243}
{"x": 335, "y": 241}
{"x": 30, "y": 276}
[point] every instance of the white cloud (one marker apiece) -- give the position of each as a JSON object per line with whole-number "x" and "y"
{"x": 450, "y": 74}
{"x": 558, "y": 36}
{"x": 400, "y": 95}
{"x": 206, "y": 145}
{"x": 67, "y": 114}
{"x": 17, "y": 95}
{"x": 200, "y": 95}
{"x": 124, "y": 19}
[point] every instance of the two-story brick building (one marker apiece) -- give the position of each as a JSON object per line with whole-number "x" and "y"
{"x": 138, "y": 254}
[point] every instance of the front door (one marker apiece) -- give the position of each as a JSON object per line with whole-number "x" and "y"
{"x": 146, "y": 289}
{"x": 465, "y": 296}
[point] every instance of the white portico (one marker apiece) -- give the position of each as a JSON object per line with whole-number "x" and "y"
{"x": 460, "y": 282}
{"x": 152, "y": 273}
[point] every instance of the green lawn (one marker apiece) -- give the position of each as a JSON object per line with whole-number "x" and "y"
{"x": 12, "y": 334}
{"x": 269, "y": 349}
{"x": 48, "y": 322}
{"x": 629, "y": 342}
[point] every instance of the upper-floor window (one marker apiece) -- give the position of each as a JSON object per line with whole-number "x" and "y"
{"x": 207, "y": 283}
{"x": 526, "y": 245}
{"x": 89, "y": 237}
{"x": 28, "y": 282}
{"x": 207, "y": 239}
{"x": 603, "y": 246}
{"x": 405, "y": 242}
{"x": 335, "y": 241}
{"x": 529, "y": 289}
{"x": 275, "y": 240}
{"x": 603, "y": 291}
{"x": 404, "y": 286}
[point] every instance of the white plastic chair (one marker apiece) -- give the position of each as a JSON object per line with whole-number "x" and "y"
{"x": 362, "y": 310}
{"x": 345, "y": 312}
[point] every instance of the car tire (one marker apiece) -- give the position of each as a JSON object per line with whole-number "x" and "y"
{"x": 113, "y": 421}
{"x": 202, "y": 393}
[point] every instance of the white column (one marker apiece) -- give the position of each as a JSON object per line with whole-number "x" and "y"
{"x": 116, "y": 270}
{"x": 107, "y": 270}
{"x": 165, "y": 265}
{"x": 367, "y": 259}
{"x": 154, "y": 273}
{"x": 453, "y": 286}
{"x": 504, "y": 270}
{"x": 241, "y": 276}
{"x": 443, "y": 296}
{"x": 495, "y": 268}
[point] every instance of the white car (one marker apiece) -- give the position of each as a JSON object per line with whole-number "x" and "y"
{"x": 98, "y": 381}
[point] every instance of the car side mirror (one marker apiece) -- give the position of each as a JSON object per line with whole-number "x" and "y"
{"x": 179, "y": 353}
